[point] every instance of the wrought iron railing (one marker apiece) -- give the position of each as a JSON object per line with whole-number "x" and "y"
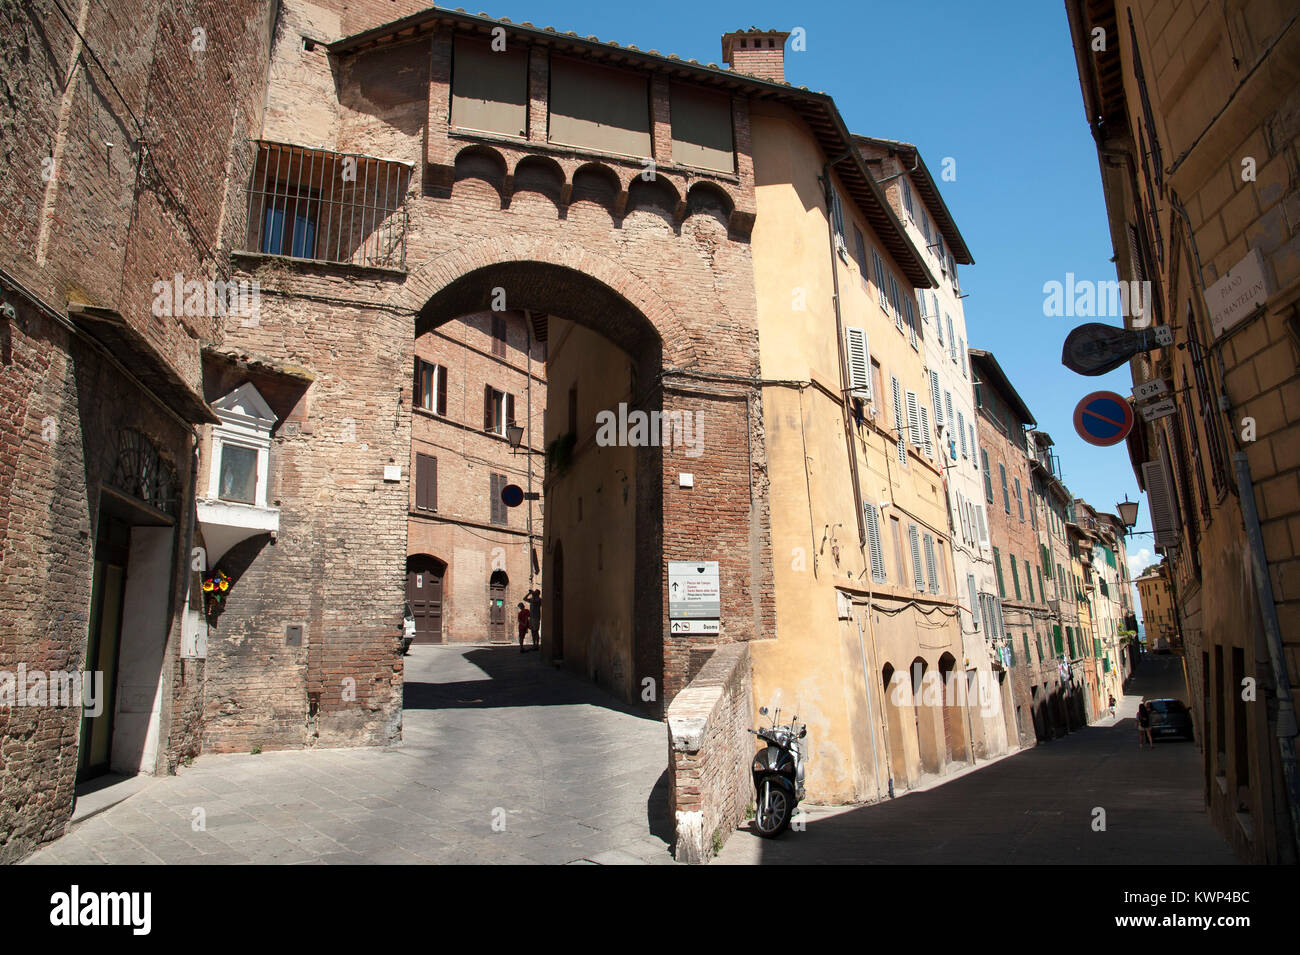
{"x": 334, "y": 207}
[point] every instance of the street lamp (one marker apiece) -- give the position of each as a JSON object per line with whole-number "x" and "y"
{"x": 515, "y": 435}
{"x": 1128, "y": 512}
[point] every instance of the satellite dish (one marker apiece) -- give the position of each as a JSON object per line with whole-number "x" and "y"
{"x": 1094, "y": 349}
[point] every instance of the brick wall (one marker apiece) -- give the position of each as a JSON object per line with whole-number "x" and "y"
{"x": 710, "y": 752}
{"x": 89, "y": 216}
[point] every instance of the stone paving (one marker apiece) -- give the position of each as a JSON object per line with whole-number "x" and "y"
{"x": 503, "y": 760}
{"x": 1033, "y": 807}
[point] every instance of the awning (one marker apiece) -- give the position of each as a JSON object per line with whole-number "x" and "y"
{"x": 138, "y": 355}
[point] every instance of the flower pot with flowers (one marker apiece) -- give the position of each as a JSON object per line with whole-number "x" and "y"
{"x": 215, "y": 587}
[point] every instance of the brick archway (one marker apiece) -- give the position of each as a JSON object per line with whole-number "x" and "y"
{"x": 539, "y": 273}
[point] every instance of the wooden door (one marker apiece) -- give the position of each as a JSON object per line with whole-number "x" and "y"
{"x": 497, "y": 630}
{"x": 424, "y": 594}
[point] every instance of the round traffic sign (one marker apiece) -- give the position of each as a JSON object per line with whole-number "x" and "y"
{"x": 512, "y": 495}
{"x": 1103, "y": 418}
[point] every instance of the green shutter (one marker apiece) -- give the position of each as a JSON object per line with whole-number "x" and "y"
{"x": 1056, "y": 639}
{"x": 997, "y": 563}
{"x": 1015, "y": 575}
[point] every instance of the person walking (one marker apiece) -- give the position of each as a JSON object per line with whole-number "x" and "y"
{"x": 1144, "y": 725}
{"x": 535, "y": 615}
{"x": 523, "y": 626}
{"x": 1112, "y": 706}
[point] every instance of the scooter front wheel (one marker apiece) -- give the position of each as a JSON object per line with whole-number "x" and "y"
{"x": 773, "y": 814}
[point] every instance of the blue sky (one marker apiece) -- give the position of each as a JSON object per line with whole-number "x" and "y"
{"x": 997, "y": 90}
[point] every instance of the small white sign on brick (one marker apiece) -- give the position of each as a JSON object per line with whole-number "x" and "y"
{"x": 1238, "y": 293}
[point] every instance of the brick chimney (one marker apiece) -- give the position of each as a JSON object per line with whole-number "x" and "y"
{"x": 756, "y": 52}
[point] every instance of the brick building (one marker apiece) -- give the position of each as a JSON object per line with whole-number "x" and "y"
{"x": 1022, "y": 567}
{"x": 115, "y": 187}
{"x": 470, "y": 558}
{"x": 1198, "y": 156}
{"x": 1159, "y": 621}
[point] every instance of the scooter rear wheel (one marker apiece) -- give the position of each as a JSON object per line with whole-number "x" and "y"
{"x": 772, "y": 816}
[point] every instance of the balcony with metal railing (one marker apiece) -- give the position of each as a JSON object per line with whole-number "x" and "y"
{"x": 318, "y": 205}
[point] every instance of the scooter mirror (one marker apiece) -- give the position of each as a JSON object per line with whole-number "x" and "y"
{"x": 762, "y": 711}
{"x": 803, "y": 732}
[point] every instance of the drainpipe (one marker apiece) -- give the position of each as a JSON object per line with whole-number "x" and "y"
{"x": 827, "y": 188}
{"x": 528, "y": 410}
{"x": 1286, "y": 719}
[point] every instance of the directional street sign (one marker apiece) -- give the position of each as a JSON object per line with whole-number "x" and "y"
{"x": 1158, "y": 409}
{"x": 1103, "y": 418}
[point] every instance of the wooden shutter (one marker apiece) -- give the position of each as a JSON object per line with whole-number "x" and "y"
{"x": 974, "y": 600}
{"x": 931, "y": 574}
{"x": 914, "y": 421}
{"x": 417, "y": 392}
{"x": 926, "y": 432}
{"x": 497, "y": 505}
{"x": 898, "y": 420}
{"x": 509, "y": 409}
{"x": 984, "y": 527}
{"x": 1163, "y": 521}
{"x": 914, "y": 535}
{"x": 1015, "y": 575}
{"x": 859, "y": 361}
{"x": 426, "y": 483}
{"x": 487, "y": 408}
{"x": 873, "y": 540}
{"x": 442, "y": 390}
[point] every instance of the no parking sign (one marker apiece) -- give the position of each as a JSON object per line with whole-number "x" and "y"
{"x": 1103, "y": 418}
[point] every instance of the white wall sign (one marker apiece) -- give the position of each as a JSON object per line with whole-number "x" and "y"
{"x": 693, "y": 590}
{"x": 1157, "y": 409}
{"x": 1150, "y": 389}
{"x": 696, "y": 626}
{"x": 1238, "y": 293}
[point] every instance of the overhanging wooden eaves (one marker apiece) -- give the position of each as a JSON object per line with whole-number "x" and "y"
{"x": 928, "y": 190}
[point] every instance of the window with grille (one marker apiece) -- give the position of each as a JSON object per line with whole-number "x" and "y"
{"x": 334, "y": 207}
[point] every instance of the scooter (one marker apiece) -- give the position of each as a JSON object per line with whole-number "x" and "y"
{"x": 778, "y": 774}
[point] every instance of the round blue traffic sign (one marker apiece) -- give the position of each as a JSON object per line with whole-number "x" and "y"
{"x": 1103, "y": 418}
{"x": 512, "y": 495}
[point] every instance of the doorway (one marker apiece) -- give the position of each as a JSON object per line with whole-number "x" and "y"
{"x": 424, "y": 575}
{"x": 497, "y": 584}
{"x": 103, "y": 643}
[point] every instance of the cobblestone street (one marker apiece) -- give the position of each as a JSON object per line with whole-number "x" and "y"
{"x": 490, "y": 735}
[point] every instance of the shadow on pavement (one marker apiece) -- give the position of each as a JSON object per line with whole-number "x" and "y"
{"x": 1038, "y": 807}
{"x": 513, "y": 679}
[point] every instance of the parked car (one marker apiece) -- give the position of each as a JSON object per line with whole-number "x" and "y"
{"x": 1170, "y": 718}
